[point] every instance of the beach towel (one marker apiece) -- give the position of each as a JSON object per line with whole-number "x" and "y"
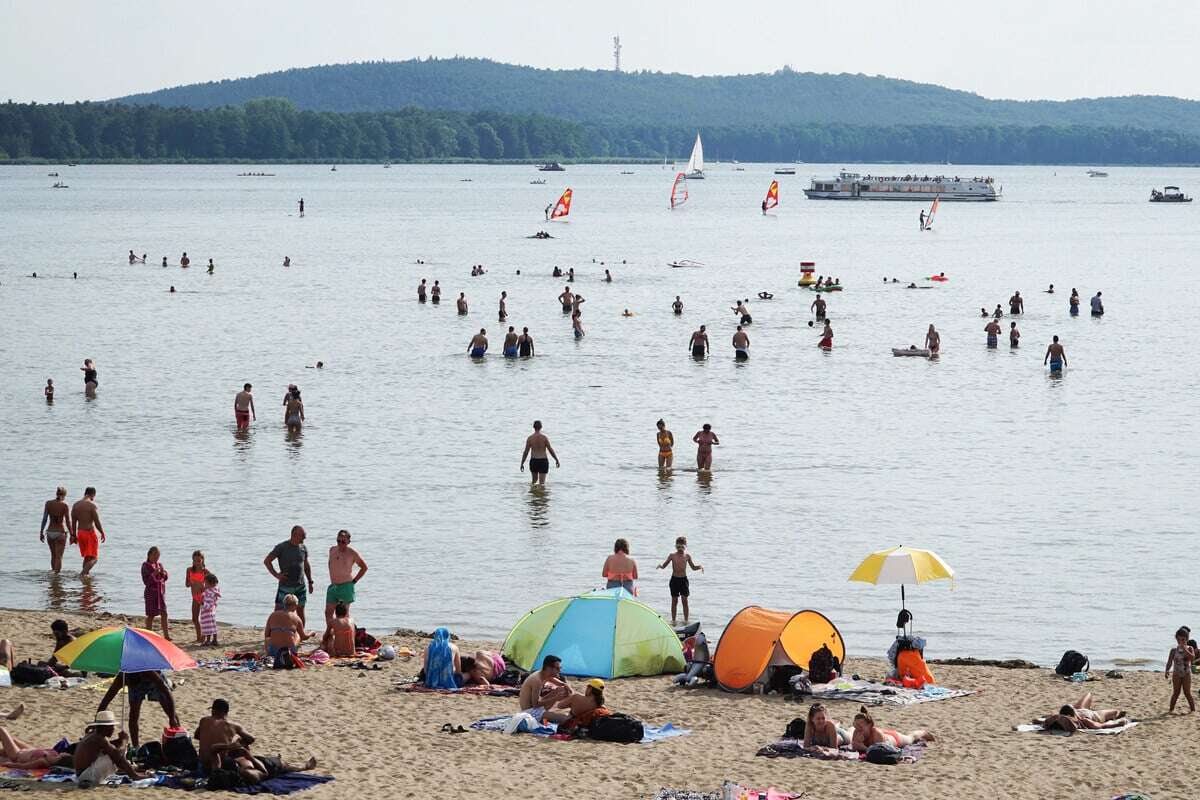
{"x": 502, "y": 723}
{"x": 736, "y": 791}
{"x": 1129, "y": 723}
{"x": 286, "y": 784}
{"x": 878, "y": 694}
{"x": 439, "y": 662}
{"x": 687, "y": 794}
{"x": 470, "y": 691}
{"x": 794, "y": 748}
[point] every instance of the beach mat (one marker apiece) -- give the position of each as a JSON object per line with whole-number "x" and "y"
{"x": 286, "y": 784}
{"x": 650, "y": 733}
{"x": 879, "y": 694}
{"x": 730, "y": 790}
{"x": 794, "y": 748}
{"x": 477, "y": 691}
{"x": 1029, "y": 728}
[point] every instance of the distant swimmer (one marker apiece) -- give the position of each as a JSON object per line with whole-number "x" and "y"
{"x": 479, "y": 344}
{"x": 627, "y": 313}
{"x": 184, "y": 261}
{"x": 677, "y": 306}
{"x": 765, "y": 296}
{"x": 211, "y": 266}
{"x": 983, "y": 312}
{"x": 999, "y": 312}
{"x": 435, "y": 293}
{"x": 320, "y": 365}
{"x": 741, "y": 309}
{"x": 1056, "y": 356}
{"x": 1014, "y": 335}
{"x": 461, "y": 303}
{"x": 503, "y": 306}
{"x": 741, "y": 345}
{"x": 293, "y": 412}
{"x": 537, "y": 446}
{"x": 607, "y": 276}
{"x": 49, "y": 390}
{"x": 992, "y": 329}
{"x": 1074, "y": 301}
{"x": 557, "y": 273}
{"x": 243, "y": 407}
{"x": 525, "y": 344}
{"x": 510, "y": 343}
{"x": 922, "y": 224}
{"x": 933, "y": 340}
{"x": 421, "y": 291}
{"x": 171, "y": 290}
{"x": 577, "y": 325}
{"x": 705, "y": 439}
{"x": 1051, "y": 289}
{"x": 1097, "y": 306}
{"x": 567, "y": 299}
{"x": 287, "y": 261}
{"x": 132, "y": 258}
{"x": 302, "y": 206}
{"x": 666, "y": 445}
{"x": 914, "y": 286}
{"x": 570, "y": 273}
{"x": 818, "y": 306}
{"x": 164, "y": 261}
{"x": 90, "y": 378}
{"x": 698, "y": 344}
{"x": 826, "y": 342}
{"x": 1016, "y": 304}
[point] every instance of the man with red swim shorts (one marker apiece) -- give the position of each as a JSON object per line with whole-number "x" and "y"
{"x": 85, "y": 523}
{"x": 243, "y": 408}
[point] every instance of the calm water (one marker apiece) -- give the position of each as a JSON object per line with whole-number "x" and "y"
{"x": 1066, "y": 506}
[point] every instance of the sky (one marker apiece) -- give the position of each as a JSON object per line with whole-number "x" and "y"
{"x": 69, "y": 50}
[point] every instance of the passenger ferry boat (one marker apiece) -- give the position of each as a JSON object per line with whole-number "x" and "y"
{"x": 852, "y": 186}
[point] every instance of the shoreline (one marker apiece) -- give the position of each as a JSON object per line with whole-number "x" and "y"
{"x": 650, "y": 162}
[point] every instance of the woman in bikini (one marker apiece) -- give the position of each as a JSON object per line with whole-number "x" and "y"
{"x": 194, "y": 580}
{"x": 866, "y": 733}
{"x": 666, "y": 443}
{"x": 1080, "y": 715}
{"x": 821, "y": 732}
{"x": 56, "y": 521}
{"x": 619, "y": 569}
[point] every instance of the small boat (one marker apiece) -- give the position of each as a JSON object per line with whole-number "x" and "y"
{"x": 910, "y": 351}
{"x": 679, "y": 192}
{"x": 387, "y": 165}
{"x": 837, "y": 287}
{"x": 333, "y": 169}
{"x": 1169, "y": 194}
{"x": 59, "y": 185}
{"x": 538, "y": 182}
{"x": 465, "y": 180}
{"x": 785, "y": 171}
{"x": 1095, "y": 173}
{"x": 739, "y": 169}
{"x": 73, "y": 164}
{"x": 684, "y": 263}
{"x": 695, "y": 165}
{"x": 51, "y": 174}
{"x": 626, "y": 172}
{"x": 553, "y": 166}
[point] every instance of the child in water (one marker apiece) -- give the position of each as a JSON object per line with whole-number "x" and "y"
{"x": 1179, "y": 670}
{"x": 680, "y": 560}
{"x": 49, "y": 390}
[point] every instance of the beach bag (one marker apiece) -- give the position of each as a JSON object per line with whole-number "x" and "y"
{"x": 883, "y": 753}
{"x": 1072, "y": 661}
{"x": 821, "y": 665}
{"x": 149, "y": 755}
{"x": 178, "y": 751}
{"x": 795, "y": 728}
{"x": 29, "y": 674}
{"x": 365, "y": 641}
{"x": 616, "y": 728}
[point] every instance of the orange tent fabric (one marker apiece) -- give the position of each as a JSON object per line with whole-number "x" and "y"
{"x": 757, "y": 638}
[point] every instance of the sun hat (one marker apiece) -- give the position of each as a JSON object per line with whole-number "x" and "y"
{"x": 104, "y": 719}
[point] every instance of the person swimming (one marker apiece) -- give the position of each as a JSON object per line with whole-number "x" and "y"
{"x": 627, "y": 313}
{"x": 765, "y": 296}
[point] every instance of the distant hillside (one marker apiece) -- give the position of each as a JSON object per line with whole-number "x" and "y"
{"x": 652, "y": 98}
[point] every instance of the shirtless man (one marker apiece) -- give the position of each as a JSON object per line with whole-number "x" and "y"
{"x": 741, "y": 309}
{"x": 992, "y": 329}
{"x": 58, "y": 514}
{"x": 819, "y": 306}
{"x": 479, "y": 344}
{"x": 85, "y": 523}
{"x": 1016, "y": 304}
{"x": 435, "y": 293}
{"x": 510, "y": 343}
{"x": 218, "y": 738}
{"x": 933, "y": 340}
{"x": 525, "y": 347}
{"x": 543, "y": 689}
{"x": 97, "y": 756}
{"x": 567, "y": 299}
{"x": 741, "y": 345}
{"x": 705, "y": 439}
{"x": 421, "y": 291}
{"x": 677, "y": 306}
{"x": 503, "y": 306}
{"x": 537, "y": 445}
{"x": 243, "y": 407}
{"x": 462, "y": 302}
{"x": 343, "y": 559}
{"x": 1014, "y": 335}
{"x": 1056, "y": 356}
{"x": 698, "y": 344}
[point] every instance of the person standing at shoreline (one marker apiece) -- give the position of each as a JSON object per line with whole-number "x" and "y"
{"x": 342, "y": 578}
{"x": 294, "y": 573}
{"x": 680, "y": 560}
{"x": 666, "y": 445}
{"x": 1056, "y": 356}
{"x": 705, "y": 439}
{"x": 85, "y": 523}
{"x": 154, "y": 578}
{"x": 243, "y": 407}
{"x": 194, "y": 580}
{"x": 1179, "y": 670}
{"x": 56, "y": 525}
{"x": 698, "y": 344}
{"x": 537, "y": 446}
{"x": 741, "y": 345}
{"x": 90, "y": 378}
{"x": 620, "y": 571}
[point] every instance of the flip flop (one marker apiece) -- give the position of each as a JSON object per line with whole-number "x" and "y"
{"x": 459, "y": 729}
{"x": 447, "y": 728}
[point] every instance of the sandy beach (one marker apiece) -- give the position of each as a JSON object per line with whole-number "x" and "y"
{"x": 369, "y": 735}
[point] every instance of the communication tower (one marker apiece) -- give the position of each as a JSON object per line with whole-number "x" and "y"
{"x": 617, "y": 53}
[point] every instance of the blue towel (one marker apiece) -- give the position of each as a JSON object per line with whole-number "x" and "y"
{"x": 439, "y": 662}
{"x": 286, "y": 784}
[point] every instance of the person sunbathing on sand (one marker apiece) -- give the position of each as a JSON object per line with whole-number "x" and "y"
{"x": 821, "y": 732}
{"x": 17, "y": 754}
{"x": 867, "y": 734}
{"x": 482, "y": 668}
{"x": 1081, "y": 716}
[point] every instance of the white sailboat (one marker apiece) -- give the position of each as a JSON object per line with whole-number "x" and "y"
{"x": 695, "y": 165}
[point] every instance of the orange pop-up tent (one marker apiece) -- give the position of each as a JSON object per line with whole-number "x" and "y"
{"x": 757, "y": 638}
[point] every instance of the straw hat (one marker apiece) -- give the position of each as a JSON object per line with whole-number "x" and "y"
{"x": 104, "y": 719}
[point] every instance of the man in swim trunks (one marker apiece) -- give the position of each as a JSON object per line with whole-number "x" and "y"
{"x": 421, "y": 291}
{"x": 819, "y": 306}
{"x": 992, "y": 329}
{"x": 56, "y": 526}
{"x": 544, "y": 688}
{"x": 294, "y": 571}
{"x": 510, "y": 343}
{"x": 741, "y": 345}
{"x": 705, "y": 439}
{"x": 525, "y": 344}
{"x": 999, "y": 312}
{"x": 503, "y": 306}
{"x": 1097, "y": 305}
{"x": 217, "y": 737}
{"x": 537, "y": 445}
{"x": 462, "y": 302}
{"x": 1016, "y": 304}
{"x": 677, "y": 306}
{"x": 435, "y": 293}
{"x": 1056, "y": 356}
{"x": 479, "y": 344}
{"x": 85, "y": 523}
{"x": 243, "y": 407}
{"x": 1014, "y": 335}
{"x": 740, "y": 308}
{"x": 567, "y": 299}
{"x": 826, "y": 342}
{"x": 97, "y": 756}
{"x": 342, "y": 576}
{"x": 699, "y": 343}
{"x": 680, "y": 587}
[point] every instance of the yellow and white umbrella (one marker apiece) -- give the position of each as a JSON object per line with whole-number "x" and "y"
{"x": 902, "y": 565}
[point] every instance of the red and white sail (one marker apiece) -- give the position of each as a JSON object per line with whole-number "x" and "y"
{"x": 679, "y": 192}
{"x": 563, "y": 207}
{"x": 933, "y": 207}
{"x": 772, "y": 198}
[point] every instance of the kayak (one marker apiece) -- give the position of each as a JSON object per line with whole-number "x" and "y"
{"x": 837, "y": 288}
{"x": 907, "y": 351}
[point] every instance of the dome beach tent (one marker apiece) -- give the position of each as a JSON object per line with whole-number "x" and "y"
{"x": 757, "y": 638}
{"x": 602, "y": 634}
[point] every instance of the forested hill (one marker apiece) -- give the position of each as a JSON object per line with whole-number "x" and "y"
{"x": 785, "y": 97}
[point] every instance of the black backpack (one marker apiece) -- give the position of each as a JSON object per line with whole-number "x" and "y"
{"x": 616, "y": 728}
{"x": 150, "y": 755}
{"x": 883, "y": 753}
{"x": 820, "y": 665}
{"x": 795, "y": 728}
{"x": 29, "y": 674}
{"x": 1072, "y": 661}
{"x": 178, "y": 751}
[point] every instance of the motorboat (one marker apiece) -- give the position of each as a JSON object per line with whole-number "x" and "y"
{"x": 852, "y": 186}
{"x": 60, "y": 185}
{"x": 1095, "y": 173}
{"x": 553, "y": 166}
{"x": 1169, "y": 194}
{"x": 685, "y": 263}
{"x": 785, "y": 171}
{"x": 538, "y": 182}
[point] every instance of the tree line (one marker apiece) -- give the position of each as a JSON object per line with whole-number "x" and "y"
{"x": 275, "y": 130}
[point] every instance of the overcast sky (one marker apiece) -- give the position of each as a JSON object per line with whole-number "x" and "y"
{"x": 1023, "y": 49}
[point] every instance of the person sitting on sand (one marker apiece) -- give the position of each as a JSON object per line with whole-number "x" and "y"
{"x": 1081, "y": 716}
{"x": 821, "y": 732}
{"x": 582, "y": 709}
{"x": 867, "y": 734}
{"x": 544, "y": 688}
{"x": 443, "y": 667}
{"x": 284, "y": 631}
{"x": 97, "y": 756}
{"x": 16, "y": 754}
{"x": 339, "y": 636}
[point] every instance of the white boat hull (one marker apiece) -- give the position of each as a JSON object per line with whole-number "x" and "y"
{"x": 918, "y": 196}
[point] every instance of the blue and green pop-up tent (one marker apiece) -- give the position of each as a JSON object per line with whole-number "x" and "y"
{"x": 602, "y": 634}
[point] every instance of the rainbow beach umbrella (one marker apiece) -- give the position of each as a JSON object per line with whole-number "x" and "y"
{"x": 123, "y": 649}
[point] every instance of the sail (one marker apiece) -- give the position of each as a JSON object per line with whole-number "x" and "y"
{"x": 933, "y": 207}
{"x": 679, "y": 192}
{"x": 772, "y": 198}
{"x": 696, "y": 162}
{"x": 563, "y": 206}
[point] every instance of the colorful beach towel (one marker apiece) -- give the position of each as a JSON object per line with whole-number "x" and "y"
{"x": 475, "y": 691}
{"x": 878, "y": 694}
{"x": 1129, "y": 723}
{"x": 439, "y": 662}
{"x": 794, "y": 748}
{"x": 501, "y": 724}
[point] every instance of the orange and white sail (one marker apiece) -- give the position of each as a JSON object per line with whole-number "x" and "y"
{"x": 772, "y": 198}
{"x": 679, "y": 192}
{"x": 563, "y": 206}
{"x": 933, "y": 207}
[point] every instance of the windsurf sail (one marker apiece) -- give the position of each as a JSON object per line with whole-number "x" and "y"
{"x": 772, "y": 198}
{"x": 563, "y": 206}
{"x": 679, "y": 192}
{"x": 929, "y": 217}
{"x": 695, "y": 165}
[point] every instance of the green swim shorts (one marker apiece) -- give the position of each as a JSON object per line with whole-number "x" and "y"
{"x": 340, "y": 593}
